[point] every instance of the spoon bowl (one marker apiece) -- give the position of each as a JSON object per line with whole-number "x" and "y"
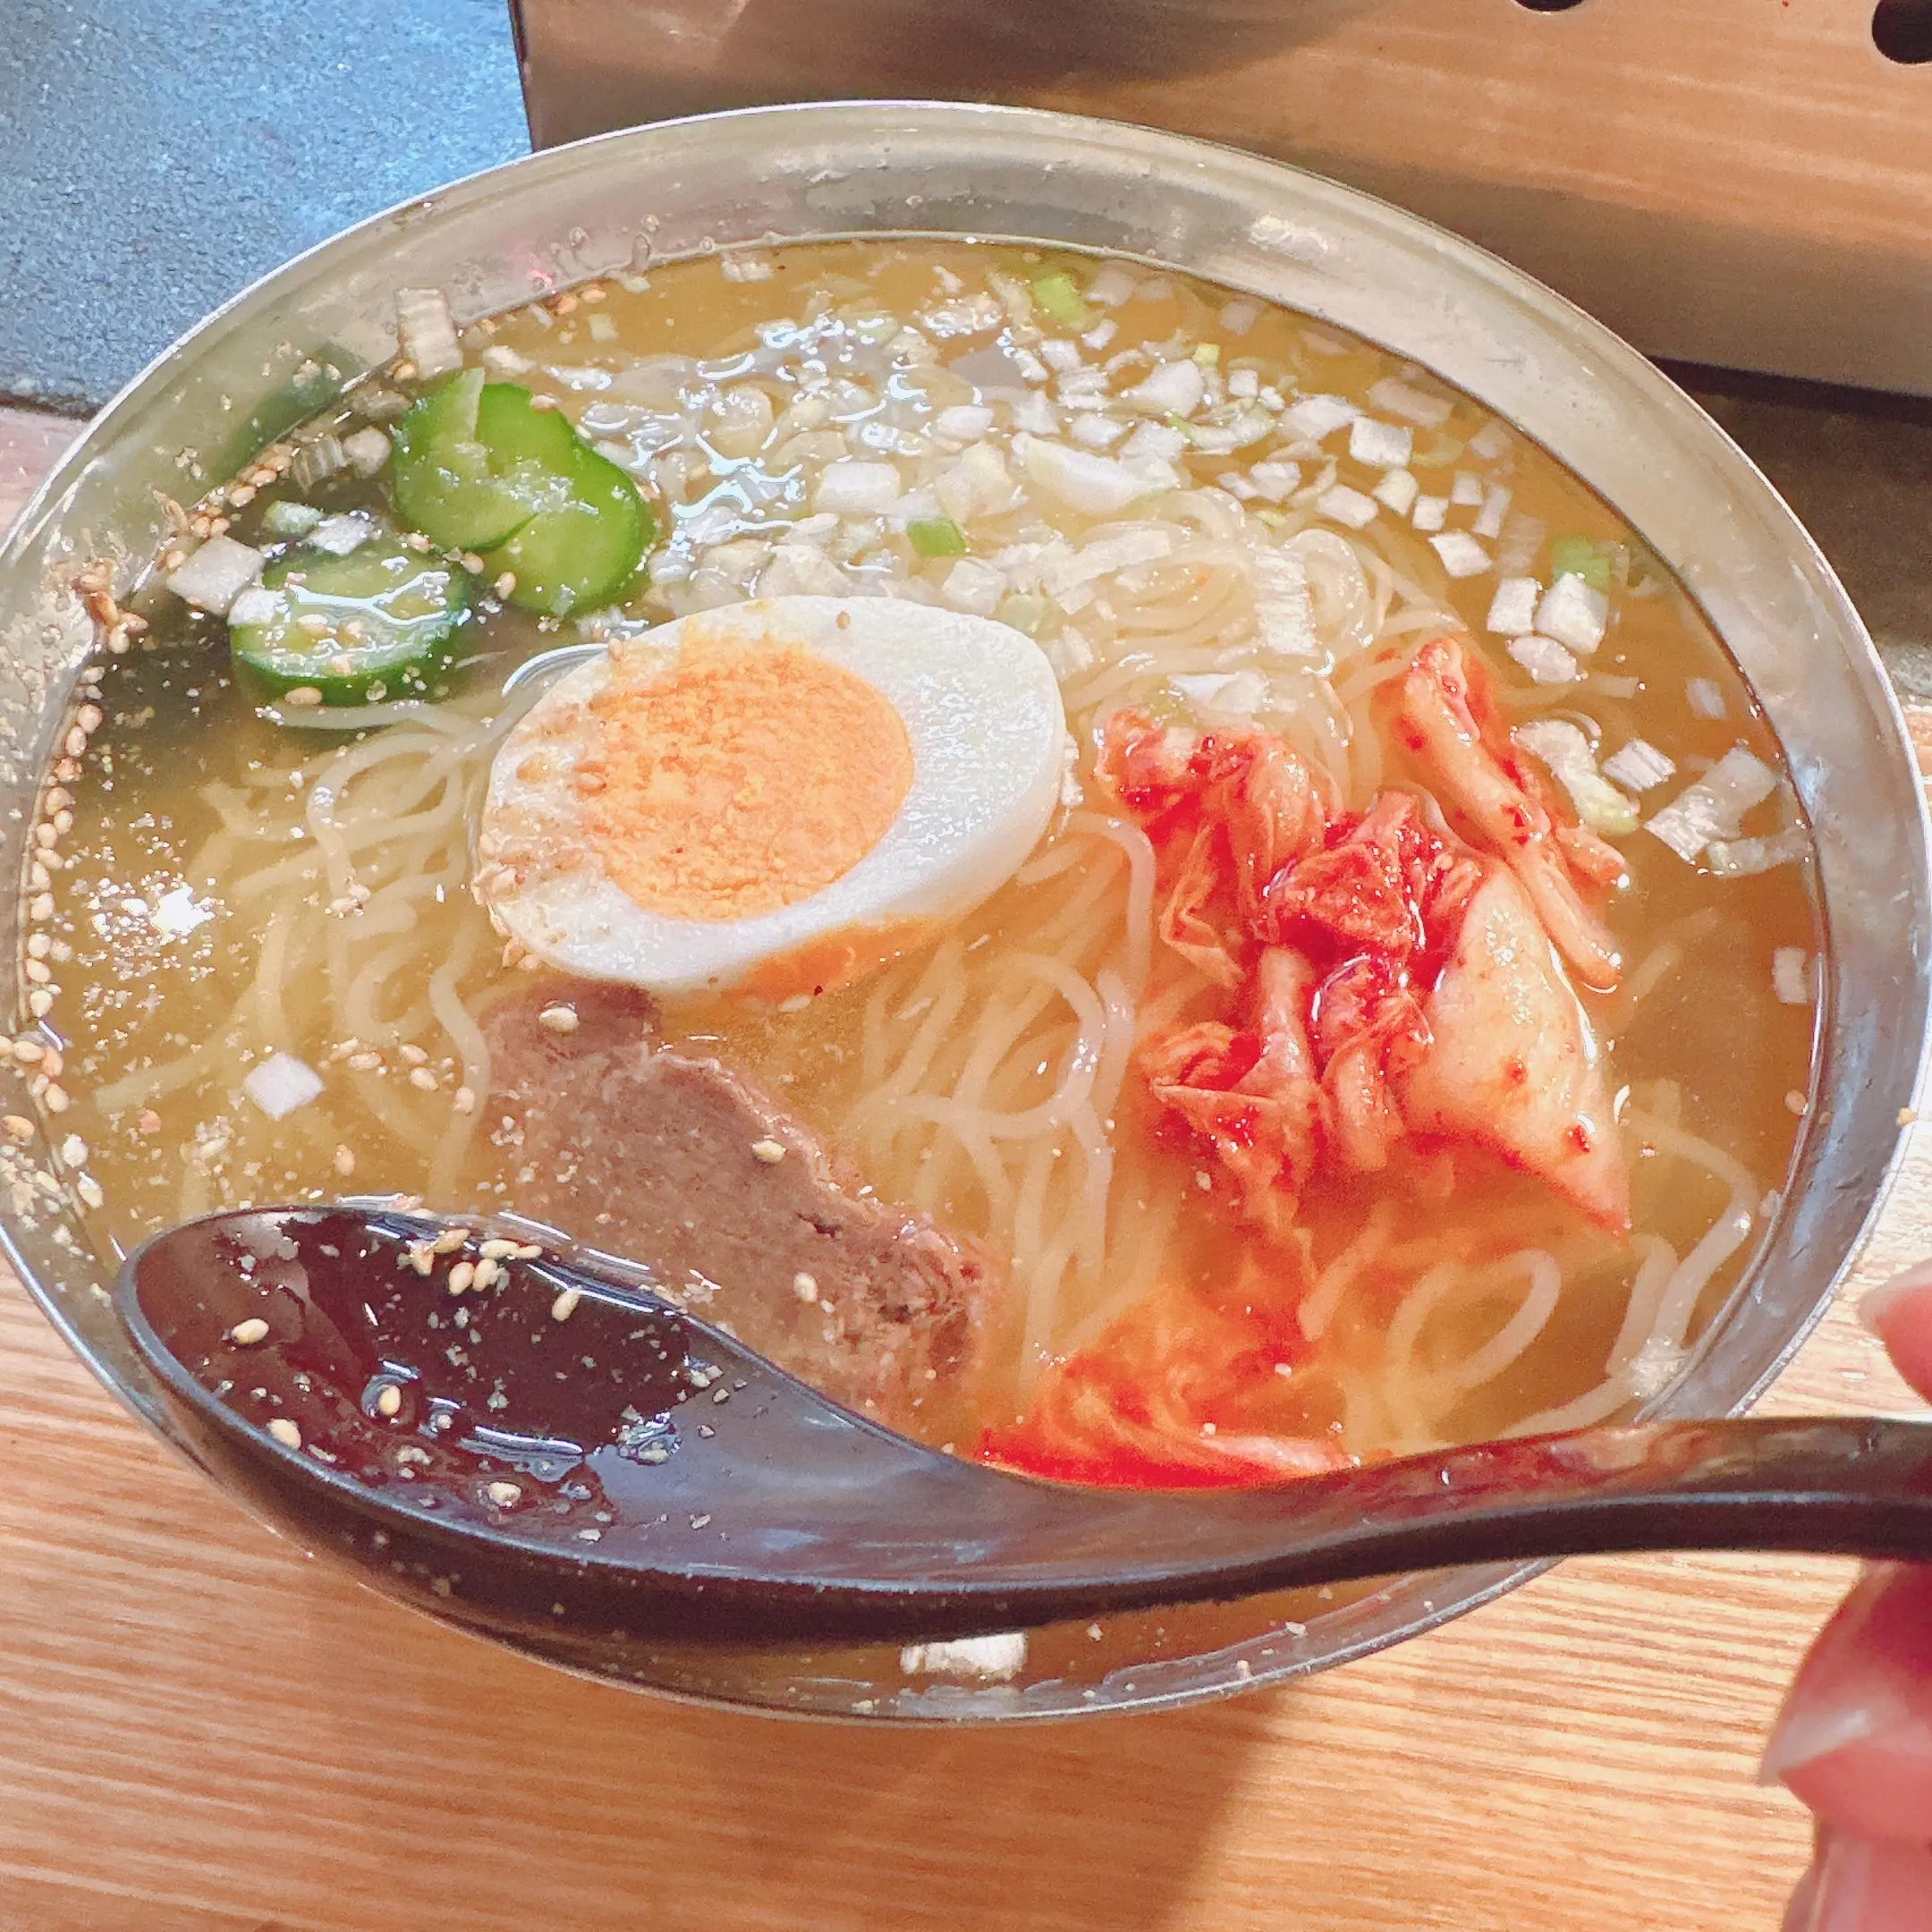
{"x": 542, "y": 1433}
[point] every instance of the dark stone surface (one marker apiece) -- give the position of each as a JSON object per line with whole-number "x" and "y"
{"x": 156, "y": 155}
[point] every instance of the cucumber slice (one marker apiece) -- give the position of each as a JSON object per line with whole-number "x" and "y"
{"x": 443, "y": 476}
{"x": 380, "y": 623}
{"x": 584, "y": 543}
{"x": 478, "y": 467}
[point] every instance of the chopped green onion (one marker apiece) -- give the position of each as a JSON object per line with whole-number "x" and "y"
{"x": 1578, "y": 557}
{"x": 937, "y": 535}
{"x": 1182, "y": 425}
{"x": 1059, "y": 299}
{"x": 1208, "y": 354}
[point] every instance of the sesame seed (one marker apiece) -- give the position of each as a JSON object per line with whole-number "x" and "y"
{"x": 771, "y": 1152}
{"x": 40, "y": 1003}
{"x": 461, "y": 1277}
{"x": 344, "y": 1161}
{"x": 421, "y": 1258}
{"x": 28, "y": 1051}
{"x": 565, "y": 1304}
{"x": 73, "y": 1151}
{"x": 496, "y": 1249}
{"x": 55, "y": 1098}
{"x": 39, "y": 972}
{"x": 413, "y": 1055}
{"x": 805, "y": 1286}
{"x": 529, "y": 1251}
{"x": 302, "y": 696}
{"x": 249, "y": 1332}
{"x": 488, "y": 1272}
{"x": 505, "y": 1495}
{"x": 41, "y": 907}
{"x": 450, "y": 1240}
{"x": 286, "y": 1432}
{"x": 505, "y": 584}
{"x": 558, "y": 1019}
{"x": 388, "y": 1400}
{"x": 421, "y": 1077}
{"x": 90, "y": 1191}
{"x": 362, "y": 1062}
{"x": 18, "y": 1127}
{"x": 464, "y": 1100}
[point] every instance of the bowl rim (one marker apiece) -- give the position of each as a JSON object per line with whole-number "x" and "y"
{"x": 1169, "y": 156}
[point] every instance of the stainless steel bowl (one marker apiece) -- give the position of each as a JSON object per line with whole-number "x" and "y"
{"x": 798, "y": 173}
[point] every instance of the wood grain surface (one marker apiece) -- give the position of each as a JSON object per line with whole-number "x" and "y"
{"x": 201, "y": 1731}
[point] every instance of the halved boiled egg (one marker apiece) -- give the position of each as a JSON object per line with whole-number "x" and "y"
{"x": 770, "y": 799}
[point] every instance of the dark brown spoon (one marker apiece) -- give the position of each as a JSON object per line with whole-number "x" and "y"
{"x": 604, "y": 1463}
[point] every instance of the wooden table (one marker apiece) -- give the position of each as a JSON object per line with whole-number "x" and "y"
{"x": 201, "y": 1729}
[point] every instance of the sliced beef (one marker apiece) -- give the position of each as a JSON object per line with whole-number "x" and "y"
{"x": 676, "y": 1161}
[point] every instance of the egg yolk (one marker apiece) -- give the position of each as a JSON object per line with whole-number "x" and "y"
{"x": 743, "y": 779}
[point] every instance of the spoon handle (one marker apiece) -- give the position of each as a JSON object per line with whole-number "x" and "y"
{"x": 1850, "y": 1486}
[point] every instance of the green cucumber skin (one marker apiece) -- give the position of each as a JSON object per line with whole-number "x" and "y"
{"x": 403, "y": 658}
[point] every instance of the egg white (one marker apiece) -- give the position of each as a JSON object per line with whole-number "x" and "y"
{"x": 982, "y": 714}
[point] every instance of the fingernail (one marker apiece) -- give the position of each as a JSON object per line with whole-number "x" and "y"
{"x": 1807, "y": 1731}
{"x": 1843, "y": 1886}
{"x": 1880, "y": 1302}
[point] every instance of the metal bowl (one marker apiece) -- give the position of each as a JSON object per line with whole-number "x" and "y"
{"x": 279, "y": 351}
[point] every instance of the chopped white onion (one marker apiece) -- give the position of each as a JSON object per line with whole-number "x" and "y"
{"x": 1495, "y": 505}
{"x": 1033, "y": 415}
{"x": 1381, "y": 445}
{"x": 342, "y": 535}
{"x": 216, "y": 574}
{"x": 854, "y": 488}
{"x": 1100, "y": 486}
{"x": 367, "y": 450}
{"x": 1317, "y": 416}
{"x": 1218, "y": 695}
{"x": 974, "y": 587}
{"x": 1430, "y": 512}
{"x": 501, "y": 359}
{"x": 255, "y": 606}
{"x": 281, "y": 1084}
{"x": 991, "y": 1657}
{"x": 1562, "y": 747}
{"x": 1513, "y": 608}
{"x": 1544, "y": 659}
{"x": 1574, "y": 614}
{"x": 1168, "y": 389}
{"x": 1060, "y": 354}
{"x": 1397, "y": 491}
{"x": 1348, "y": 506}
{"x": 1740, "y": 858}
{"x": 1705, "y": 697}
{"x": 1467, "y": 491}
{"x": 1490, "y": 442}
{"x": 1237, "y": 318}
{"x": 1092, "y": 431}
{"x": 802, "y": 569}
{"x": 965, "y": 422}
{"x": 1276, "y": 480}
{"x": 1713, "y": 807}
{"x": 1243, "y": 384}
{"x": 286, "y": 519}
{"x": 1237, "y": 485}
{"x": 736, "y": 266}
{"x": 1639, "y": 767}
{"x": 426, "y": 331}
{"x": 1284, "y": 610}
{"x": 1791, "y": 975}
{"x": 1106, "y": 555}
{"x": 1461, "y": 556}
{"x": 1160, "y": 441}
{"x": 1410, "y": 404}
{"x": 1112, "y": 285}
